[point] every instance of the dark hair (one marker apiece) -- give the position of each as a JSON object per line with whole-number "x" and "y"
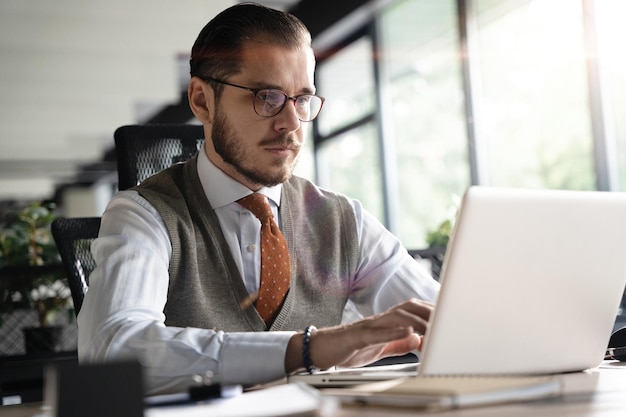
{"x": 216, "y": 50}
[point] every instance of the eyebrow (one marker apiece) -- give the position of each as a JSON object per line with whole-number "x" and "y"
{"x": 263, "y": 86}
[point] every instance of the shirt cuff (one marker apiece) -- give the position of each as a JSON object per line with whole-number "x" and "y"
{"x": 253, "y": 357}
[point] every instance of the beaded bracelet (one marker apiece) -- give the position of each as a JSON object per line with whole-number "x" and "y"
{"x": 306, "y": 348}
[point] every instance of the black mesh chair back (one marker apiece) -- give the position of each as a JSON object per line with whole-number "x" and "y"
{"x": 144, "y": 150}
{"x": 433, "y": 257}
{"x": 73, "y": 237}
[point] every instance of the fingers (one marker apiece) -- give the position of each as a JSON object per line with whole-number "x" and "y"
{"x": 373, "y": 353}
{"x": 363, "y": 339}
{"x": 391, "y": 333}
{"x": 396, "y": 323}
{"x": 403, "y": 346}
{"x": 377, "y": 335}
{"x": 415, "y": 313}
{"x": 420, "y": 308}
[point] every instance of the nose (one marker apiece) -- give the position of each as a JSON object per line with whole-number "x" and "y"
{"x": 287, "y": 119}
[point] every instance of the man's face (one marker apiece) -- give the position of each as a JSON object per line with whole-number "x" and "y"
{"x": 261, "y": 151}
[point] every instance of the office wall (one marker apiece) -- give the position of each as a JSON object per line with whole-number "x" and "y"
{"x": 71, "y": 71}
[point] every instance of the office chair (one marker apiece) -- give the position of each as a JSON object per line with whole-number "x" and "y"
{"x": 433, "y": 256}
{"x": 73, "y": 237}
{"x": 143, "y": 150}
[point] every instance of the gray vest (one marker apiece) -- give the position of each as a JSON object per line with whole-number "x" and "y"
{"x": 206, "y": 288}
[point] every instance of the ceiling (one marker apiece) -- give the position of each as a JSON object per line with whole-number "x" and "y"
{"x": 73, "y": 70}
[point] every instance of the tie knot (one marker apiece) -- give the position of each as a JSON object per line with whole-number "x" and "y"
{"x": 258, "y": 205}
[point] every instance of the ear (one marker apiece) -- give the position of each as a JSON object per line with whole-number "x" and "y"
{"x": 201, "y": 100}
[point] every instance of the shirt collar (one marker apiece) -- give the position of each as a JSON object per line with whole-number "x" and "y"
{"x": 221, "y": 190}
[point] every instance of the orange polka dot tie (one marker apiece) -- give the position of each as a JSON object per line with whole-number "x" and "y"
{"x": 275, "y": 272}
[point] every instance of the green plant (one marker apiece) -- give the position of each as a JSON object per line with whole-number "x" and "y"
{"x": 439, "y": 237}
{"x": 30, "y": 267}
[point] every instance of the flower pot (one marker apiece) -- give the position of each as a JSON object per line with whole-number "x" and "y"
{"x": 42, "y": 339}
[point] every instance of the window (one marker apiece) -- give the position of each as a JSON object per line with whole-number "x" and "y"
{"x": 348, "y": 151}
{"x": 420, "y": 49}
{"x": 349, "y": 164}
{"x": 533, "y": 98}
{"x": 611, "y": 32}
{"x": 347, "y": 81}
{"x": 534, "y": 111}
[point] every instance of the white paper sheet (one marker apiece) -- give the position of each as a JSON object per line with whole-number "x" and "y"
{"x": 282, "y": 400}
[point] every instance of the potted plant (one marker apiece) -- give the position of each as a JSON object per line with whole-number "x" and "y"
{"x": 439, "y": 237}
{"x": 31, "y": 273}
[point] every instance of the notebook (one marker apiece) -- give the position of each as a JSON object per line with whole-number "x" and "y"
{"x": 446, "y": 392}
{"x": 531, "y": 284}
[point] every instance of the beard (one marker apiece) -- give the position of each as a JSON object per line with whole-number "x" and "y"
{"x": 235, "y": 153}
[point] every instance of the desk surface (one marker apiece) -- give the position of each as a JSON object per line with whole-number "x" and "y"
{"x": 608, "y": 398}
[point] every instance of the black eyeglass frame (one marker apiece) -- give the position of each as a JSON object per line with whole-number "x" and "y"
{"x": 255, "y": 91}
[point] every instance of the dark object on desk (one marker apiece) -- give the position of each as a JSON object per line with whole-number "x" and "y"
{"x": 102, "y": 390}
{"x": 617, "y": 345}
{"x": 207, "y": 392}
{"x": 73, "y": 237}
{"x": 144, "y": 150}
{"x": 21, "y": 377}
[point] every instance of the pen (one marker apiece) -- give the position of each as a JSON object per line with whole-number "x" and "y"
{"x": 196, "y": 393}
{"x": 207, "y": 392}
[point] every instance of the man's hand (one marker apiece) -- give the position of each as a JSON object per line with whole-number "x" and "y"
{"x": 392, "y": 333}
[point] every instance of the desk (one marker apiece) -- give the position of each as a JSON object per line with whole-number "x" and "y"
{"x": 608, "y": 399}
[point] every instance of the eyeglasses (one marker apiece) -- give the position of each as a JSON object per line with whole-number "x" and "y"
{"x": 269, "y": 102}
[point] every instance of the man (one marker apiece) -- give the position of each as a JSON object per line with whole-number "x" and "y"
{"x": 178, "y": 283}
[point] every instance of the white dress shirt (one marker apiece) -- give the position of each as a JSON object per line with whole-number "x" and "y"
{"x": 122, "y": 314}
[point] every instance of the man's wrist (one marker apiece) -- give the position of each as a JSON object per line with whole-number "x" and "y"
{"x": 293, "y": 354}
{"x": 306, "y": 348}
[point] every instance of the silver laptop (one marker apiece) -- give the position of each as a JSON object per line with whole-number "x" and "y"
{"x": 531, "y": 284}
